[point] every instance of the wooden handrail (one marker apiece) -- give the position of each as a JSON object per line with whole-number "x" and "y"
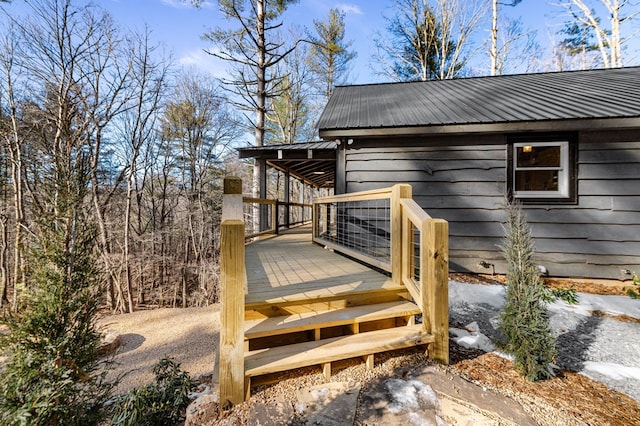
{"x": 284, "y": 203}
{"x": 375, "y": 194}
{"x": 251, "y": 200}
{"x": 430, "y": 288}
{"x": 273, "y": 206}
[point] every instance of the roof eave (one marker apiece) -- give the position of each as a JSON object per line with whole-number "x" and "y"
{"x": 451, "y": 129}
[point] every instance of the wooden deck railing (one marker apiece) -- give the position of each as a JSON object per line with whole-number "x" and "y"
{"x": 387, "y": 229}
{"x": 391, "y": 216}
{"x": 278, "y": 214}
{"x": 233, "y": 284}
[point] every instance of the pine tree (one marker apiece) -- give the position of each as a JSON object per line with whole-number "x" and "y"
{"x": 524, "y": 318}
{"x": 52, "y": 374}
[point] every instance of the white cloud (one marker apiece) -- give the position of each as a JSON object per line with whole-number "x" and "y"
{"x": 178, "y": 4}
{"x": 203, "y": 61}
{"x": 183, "y": 4}
{"x": 350, "y": 8}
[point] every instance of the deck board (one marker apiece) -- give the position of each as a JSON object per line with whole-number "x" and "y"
{"x": 291, "y": 267}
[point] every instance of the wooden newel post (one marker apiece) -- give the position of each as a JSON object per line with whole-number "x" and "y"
{"x": 436, "y": 293}
{"x": 398, "y": 192}
{"x": 232, "y": 293}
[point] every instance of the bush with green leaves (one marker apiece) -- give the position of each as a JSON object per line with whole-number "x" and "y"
{"x": 632, "y": 292}
{"x": 569, "y": 295}
{"x": 52, "y": 374}
{"x": 162, "y": 403}
{"x": 524, "y": 319}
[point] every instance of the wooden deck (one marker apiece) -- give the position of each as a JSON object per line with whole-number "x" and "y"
{"x": 287, "y": 302}
{"x": 287, "y": 273}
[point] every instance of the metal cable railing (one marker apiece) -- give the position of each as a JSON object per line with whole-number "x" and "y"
{"x": 358, "y": 225}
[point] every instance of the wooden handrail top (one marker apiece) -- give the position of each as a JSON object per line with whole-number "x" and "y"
{"x": 249, "y": 200}
{"x": 413, "y": 211}
{"x": 374, "y": 194}
{"x": 284, "y": 203}
{"x": 258, "y": 200}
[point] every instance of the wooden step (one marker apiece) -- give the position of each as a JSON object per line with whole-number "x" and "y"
{"x": 273, "y": 326}
{"x": 325, "y": 300}
{"x": 282, "y": 358}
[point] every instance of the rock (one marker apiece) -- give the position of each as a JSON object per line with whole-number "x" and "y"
{"x": 393, "y": 401}
{"x": 273, "y": 414}
{"x": 463, "y": 402}
{"x": 110, "y": 343}
{"x": 203, "y": 411}
{"x": 329, "y": 404}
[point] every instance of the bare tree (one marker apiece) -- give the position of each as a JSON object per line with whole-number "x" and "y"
{"x": 577, "y": 49}
{"x": 199, "y": 128}
{"x": 609, "y": 38}
{"x": 518, "y": 49}
{"x": 513, "y": 38}
{"x": 289, "y": 113}
{"x": 75, "y": 74}
{"x": 460, "y": 19}
{"x": 4, "y": 257}
{"x": 138, "y": 129}
{"x": 13, "y": 134}
{"x": 254, "y": 52}
{"x": 428, "y": 39}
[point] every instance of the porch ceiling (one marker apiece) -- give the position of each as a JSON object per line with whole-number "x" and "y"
{"x": 311, "y": 162}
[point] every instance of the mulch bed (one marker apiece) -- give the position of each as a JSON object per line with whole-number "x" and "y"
{"x": 611, "y": 288}
{"x": 569, "y": 398}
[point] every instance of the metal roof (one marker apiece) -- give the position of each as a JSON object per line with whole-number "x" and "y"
{"x": 315, "y": 145}
{"x": 468, "y": 102}
{"x": 310, "y": 162}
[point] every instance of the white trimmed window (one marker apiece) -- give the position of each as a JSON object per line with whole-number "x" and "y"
{"x": 541, "y": 170}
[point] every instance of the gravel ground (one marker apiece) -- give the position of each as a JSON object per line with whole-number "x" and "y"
{"x": 603, "y": 340}
{"x": 581, "y": 340}
{"x": 189, "y": 335}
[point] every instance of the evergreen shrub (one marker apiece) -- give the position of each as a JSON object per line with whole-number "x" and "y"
{"x": 524, "y": 319}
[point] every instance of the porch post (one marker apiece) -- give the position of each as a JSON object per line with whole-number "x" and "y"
{"x": 264, "y": 209}
{"x": 398, "y": 192}
{"x": 287, "y": 199}
{"x": 233, "y": 282}
{"x": 435, "y": 291}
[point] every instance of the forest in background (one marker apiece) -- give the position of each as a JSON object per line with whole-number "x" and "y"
{"x": 99, "y": 116}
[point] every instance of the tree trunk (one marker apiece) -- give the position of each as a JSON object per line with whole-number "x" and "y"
{"x": 261, "y": 109}
{"x": 15, "y": 153}
{"x": 126, "y": 242}
{"x": 4, "y": 251}
{"x": 616, "y": 48}
{"x": 493, "y": 53}
{"x": 185, "y": 269}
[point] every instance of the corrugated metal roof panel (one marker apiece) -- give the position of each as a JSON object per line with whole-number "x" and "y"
{"x": 317, "y": 145}
{"x": 485, "y": 100}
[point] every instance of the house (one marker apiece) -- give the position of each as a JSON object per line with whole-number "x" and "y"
{"x": 402, "y": 158}
{"x": 566, "y": 145}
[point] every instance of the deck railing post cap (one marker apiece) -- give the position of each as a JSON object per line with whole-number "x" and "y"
{"x": 232, "y": 185}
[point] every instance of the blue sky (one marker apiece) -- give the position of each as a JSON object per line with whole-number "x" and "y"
{"x": 179, "y": 26}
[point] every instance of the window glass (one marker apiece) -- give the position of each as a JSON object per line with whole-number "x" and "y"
{"x": 537, "y": 180}
{"x": 538, "y": 156}
{"x": 541, "y": 169}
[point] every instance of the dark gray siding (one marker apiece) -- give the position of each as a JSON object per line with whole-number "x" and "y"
{"x": 463, "y": 181}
